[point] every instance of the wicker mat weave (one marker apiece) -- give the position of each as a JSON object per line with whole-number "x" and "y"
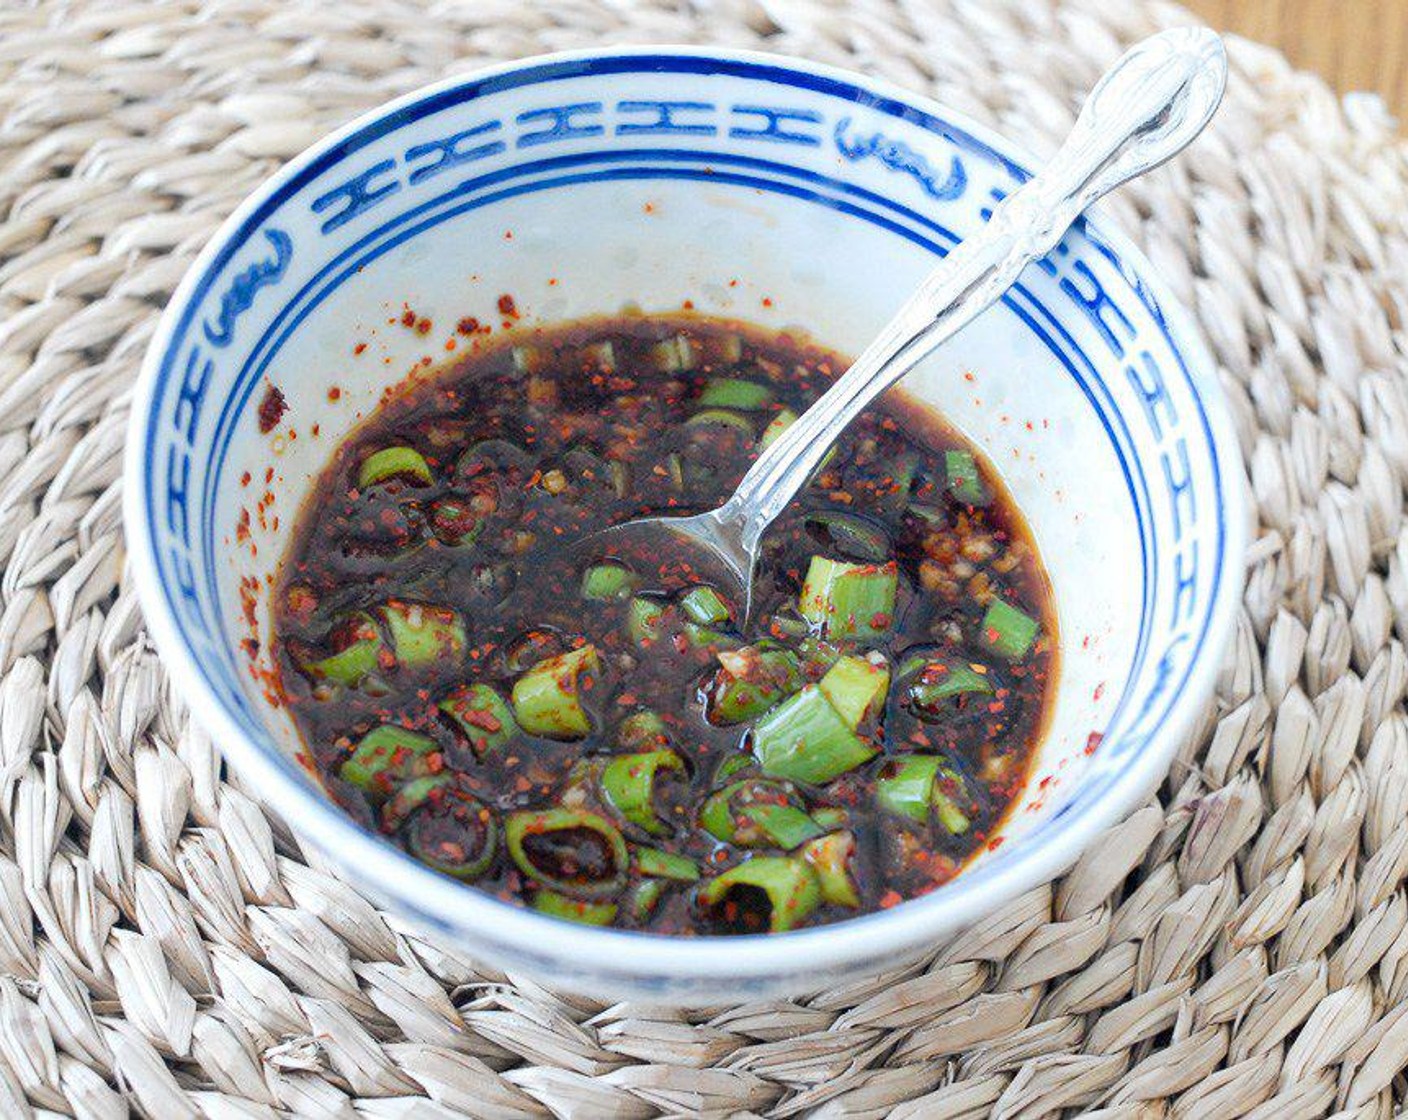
{"x": 1239, "y": 948}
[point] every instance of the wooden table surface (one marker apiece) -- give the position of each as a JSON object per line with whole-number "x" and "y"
{"x": 1355, "y": 44}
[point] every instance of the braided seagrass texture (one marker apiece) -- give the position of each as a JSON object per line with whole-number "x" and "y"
{"x": 1238, "y": 948}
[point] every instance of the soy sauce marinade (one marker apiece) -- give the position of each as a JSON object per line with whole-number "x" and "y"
{"x": 600, "y": 740}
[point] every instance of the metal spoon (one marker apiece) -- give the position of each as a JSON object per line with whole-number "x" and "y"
{"x": 1147, "y": 108}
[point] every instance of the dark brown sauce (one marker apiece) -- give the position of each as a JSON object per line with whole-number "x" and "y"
{"x": 528, "y": 451}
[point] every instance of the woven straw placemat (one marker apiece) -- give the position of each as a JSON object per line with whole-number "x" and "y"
{"x": 1238, "y": 948}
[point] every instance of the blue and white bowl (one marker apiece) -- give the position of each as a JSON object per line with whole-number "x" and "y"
{"x": 775, "y": 191}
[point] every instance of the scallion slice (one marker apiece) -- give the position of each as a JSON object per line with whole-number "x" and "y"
{"x": 655, "y": 864}
{"x": 789, "y": 887}
{"x": 963, "y": 479}
{"x": 569, "y": 850}
{"x": 804, "y": 739}
{"x": 628, "y": 781}
{"x": 574, "y": 909}
{"x": 830, "y": 857}
{"x": 704, "y": 606}
{"x": 386, "y": 755}
{"x": 849, "y": 600}
{"x": 482, "y": 716}
{"x": 394, "y": 462}
{"x": 736, "y": 393}
{"x": 547, "y": 698}
{"x": 856, "y": 687}
{"x": 1008, "y": 631}
{"x": 608, "y": 581}
{"x": 422, "y": 634}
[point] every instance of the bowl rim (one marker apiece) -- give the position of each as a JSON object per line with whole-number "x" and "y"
{"x": 623, "y": 956}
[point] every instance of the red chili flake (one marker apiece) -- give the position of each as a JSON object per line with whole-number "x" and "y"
{"x": 468, "y": 325}
{"x": 360, "y": 348}
{"x": 1099, "y": 690}
{"x": 767, "y": 301}
{"x": 1093, "y": 742}
{"x": 890, "y": 898}
{"x": 688, "y": 305}
{"x": 995, "y": 843}
{"x": 408, "y": 318}
{"x": 424, "y": 326}
{"x": 334, "y": 393}
{"x": 649, "y": 208}
{"x": 271, "y": 409}
{"x": 244, "y": 479}
{"x": 507, "y": 306}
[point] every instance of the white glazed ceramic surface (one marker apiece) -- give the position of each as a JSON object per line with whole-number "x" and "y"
{"x": 778, "y": 192}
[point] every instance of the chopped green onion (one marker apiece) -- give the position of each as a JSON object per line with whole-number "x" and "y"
{"x": 909, "y": 790}
{"x": 704, "y": 606}
{"x": 482, "y": 715}
{"x": 411, "y": 797}
{"x": 644, "y": 897}
{"x": 785, "y": 825}
{"x": 673, "y": 355}
{"x": 941, "y": 680}
{"x": 724, "y": 815}
{"x": 849, "y": 600}
{"x": 643, "y": 619}
{"x": 852, "y": 535}
{"x": 574, "y": 910}
{"x": 964, "y": 481}
{"x": 734, "y": 392}
{"x": 394, "y": 462}
{"x": 704, "y": 637}
{"x": 779, "y": 424}
{"x": 933, "y": 517}
{"x": 568, "y": 850}
{"x": 830, "y": 816}
{"x": 750, "y": 681}
{"x": 666, "y": 865}
{"x": 733, "y": 764}
{"x": 916, "y": 784}
{"x": 455, "y": 522}
{"x": 724, "y": 417}
{"x": 386, "y": 755}
{"x": 1008, "y": 631}
{"x": 946, "y": 807}
{"x": 457, "y": 838}
{"x": 830, "y": 857}
{"x": 421, "y": 634}
{"x": 358, "y": 658}
{"x": 546, "y": 699}
{"x": 790, "y": 887}
{"x": 805, "y": 739}
{"x": 608, "y": 581}
{"x": 856, "y": 687}
{"x": 628, "y": 781}
{"x": 641, "y": 730}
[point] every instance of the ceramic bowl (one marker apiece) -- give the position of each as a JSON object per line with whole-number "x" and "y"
{"x": 779, "y": 192}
